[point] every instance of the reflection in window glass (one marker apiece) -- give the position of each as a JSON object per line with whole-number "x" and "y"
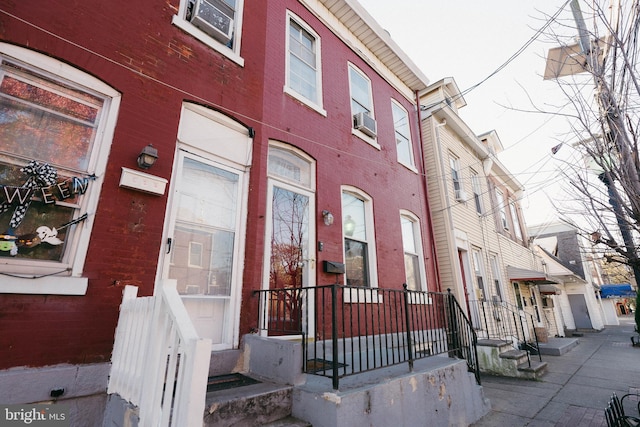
{"x": 411, "y": 258}
{"x": 356, "y": 246}
{"x": 206, "y": 215}
{"x": 39, "y": 120}
{"x": 289, "y": 237}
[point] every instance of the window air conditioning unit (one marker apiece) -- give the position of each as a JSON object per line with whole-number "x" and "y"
{"x": 461, "y": 196}
{"x": 215, "y": 18}
{"x": 365, "y": 124}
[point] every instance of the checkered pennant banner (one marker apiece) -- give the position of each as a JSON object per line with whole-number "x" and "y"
{"x": 38, "y": 175}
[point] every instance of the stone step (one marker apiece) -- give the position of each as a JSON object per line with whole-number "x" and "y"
{"x": 518, "y": 355}
{"x": 250, "y": 405}
{"x": 533, "y": 372}
{"x": 288, "y": 422}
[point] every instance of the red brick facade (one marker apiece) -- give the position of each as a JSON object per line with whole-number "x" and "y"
{"x": 134, "y": 48}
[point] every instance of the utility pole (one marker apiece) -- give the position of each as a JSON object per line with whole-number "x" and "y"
{"x": 614, "y": 126}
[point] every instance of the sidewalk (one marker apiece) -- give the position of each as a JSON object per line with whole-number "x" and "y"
{"x": 576, "y": 388}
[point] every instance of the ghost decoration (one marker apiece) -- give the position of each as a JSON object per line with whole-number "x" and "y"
{"x": 48, "y": 235}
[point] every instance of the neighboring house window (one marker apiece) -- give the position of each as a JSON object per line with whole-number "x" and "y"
{"x": 502, "y": 210}
{"x": 217, "y": 23}
{"x": 56, "y": 136}
{"x": 455, "y": 178}
{"x": 495, "y": 271}
{"x": 477, "y": 191}
{"x": 412, "y": 245}
{"x": 304, "y": 80}
{"x": 518, "y": 294}
{"x": 479, "y": 273}
{"x": 361, "y": 103}
{"x": 516, "y": 221}
{"x": 403, "y": 135}
{"x": 359, "y": 241}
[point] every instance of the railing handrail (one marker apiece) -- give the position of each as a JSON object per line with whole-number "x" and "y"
{"x": 170, "y": 387}
{"x": 517, "y": 315}
{"x": 356, "y": 329}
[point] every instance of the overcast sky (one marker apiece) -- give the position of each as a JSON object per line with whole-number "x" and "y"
{"x": 469, "y": 40}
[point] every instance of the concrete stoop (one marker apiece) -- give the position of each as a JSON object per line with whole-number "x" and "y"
{"x": 439, "y": 389}
{"x": 497, "y": 357}
{"x": 558, "y": 346}
{"x": 262, "y": 404}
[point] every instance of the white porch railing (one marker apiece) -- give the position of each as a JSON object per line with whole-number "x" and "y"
{"x": 159, "y": 363}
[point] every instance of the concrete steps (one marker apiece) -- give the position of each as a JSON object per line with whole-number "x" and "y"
{"x": 498, "y": 357}
{"x": 260, "y": 404}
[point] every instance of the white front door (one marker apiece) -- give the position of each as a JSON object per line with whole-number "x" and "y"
{"x": 202, "y": 253}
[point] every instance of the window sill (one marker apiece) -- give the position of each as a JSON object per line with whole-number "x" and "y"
{"x": 366, "y": 138}
{"x": 410, "y": 167}
{"x": 206, "y": 39}
{"x": 305, "y": 101}
{"x": 51, "y": 285}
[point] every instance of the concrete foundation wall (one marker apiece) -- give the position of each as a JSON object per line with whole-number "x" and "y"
{"x": 84, "y": 388}
{"x": 277, "y": 360}
{"x": 439, "y": 392}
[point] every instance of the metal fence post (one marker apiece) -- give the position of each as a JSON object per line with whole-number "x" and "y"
{"x": 334, "y": 334}
{"x": 407, "y": 320}
{"x": 453, "y": 325}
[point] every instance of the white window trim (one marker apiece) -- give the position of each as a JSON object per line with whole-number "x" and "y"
{"x": 412, "y": 165}
{"x": 502, "y": 210}
{"x": 366, "y": 138}
{"x": 495, "y": 270}
{"x": 317, "y": 106}
{"x": 75, "y": 284}
{"x": 513, "y": 210}
{"x": 364, "y": 295}
{"x": 479, "y": 271}
{"x": 477, "y": 185}
{"x": 417, "y": 235}
{"x": 233, "y": 54}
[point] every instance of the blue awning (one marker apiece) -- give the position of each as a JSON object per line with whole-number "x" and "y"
{"x": 619, "y": 290}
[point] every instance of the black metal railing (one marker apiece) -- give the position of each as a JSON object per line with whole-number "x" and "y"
{"x": 503, "y": 321}
{"x": 348, "y": 330}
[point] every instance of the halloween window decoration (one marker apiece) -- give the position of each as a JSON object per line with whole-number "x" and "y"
{"x": 43, "y": 187}
{"x": 48, "y": 129}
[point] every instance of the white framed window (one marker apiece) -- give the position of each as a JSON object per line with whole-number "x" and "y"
{"x": 404, "y": 146}
{"x": 363, "y": 116}
{"x": 477, "y": 191}
{"x": 303, "y": 65}
{"x": 502, "y": 210}
{"x": 358, "y": 239}
{"x": 495, "y": 272}
{"x": 456, "y": 179}
{"x": 216, "y": 23}
{"x": 56, "y": 136}
{"x": 478, "y": 269}
{"x": 516, "y": 221}
{"x": 413, "y": 255}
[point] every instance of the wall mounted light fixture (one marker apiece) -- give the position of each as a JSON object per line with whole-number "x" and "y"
{"x": 147, "y": 157}
{"x": 327, "y": 217}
